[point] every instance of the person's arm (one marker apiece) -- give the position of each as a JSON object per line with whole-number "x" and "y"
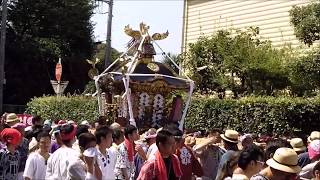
{"x": 201, "y": 146}
{"x": 97, "y": 171}
{"x": 29, "y": 169}
{"x": 141, "y": 152}
{"x": 90, "y": 165}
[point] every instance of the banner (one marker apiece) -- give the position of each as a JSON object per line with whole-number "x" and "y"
{"x": 25, "y": 119}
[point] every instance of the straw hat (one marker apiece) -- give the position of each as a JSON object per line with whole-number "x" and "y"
{"x": 286, "y": 160}
{"x": 115, "y": 126}
{"x": 230, "y": 136}
{"x": 151, "y": 133}
{"x": 314, "y": 135}
{"x": 297, "y": 144}
{"x": 12, "y": 117}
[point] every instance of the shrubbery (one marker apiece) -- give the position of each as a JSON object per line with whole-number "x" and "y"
{"x": 77, "y": 108}
{"x": 252, "y": 114}
{"x": 256, "y": 114}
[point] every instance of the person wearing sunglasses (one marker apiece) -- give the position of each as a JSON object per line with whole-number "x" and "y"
{"x": 106, "y": 159}
{"x": 282, "y": 166}
{"x": 250, "y": 162}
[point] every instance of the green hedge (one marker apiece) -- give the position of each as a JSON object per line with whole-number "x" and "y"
{"x": 252, "y": 114}
{"x": 265, "y": 115}
{"x": 77, "y": 108}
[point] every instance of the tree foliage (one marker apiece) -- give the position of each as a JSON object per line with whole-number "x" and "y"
{"x": 175, "y": 58}
{"x": 39, "y": 32}
{"x": 306, "y": 22}
{"x": 237, "y": 61}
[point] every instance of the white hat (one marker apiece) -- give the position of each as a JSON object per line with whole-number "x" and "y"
{"x": 85, "y": 123}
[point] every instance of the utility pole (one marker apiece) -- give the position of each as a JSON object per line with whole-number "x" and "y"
{"x": 2, "y": 49}
{"x": 107, "y": 57}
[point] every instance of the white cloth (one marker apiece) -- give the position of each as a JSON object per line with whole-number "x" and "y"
{"x": 77, "y": 170}
{"x": 59, "y": 162}
{"x": 29, "y": 128}
{"x": 91, "y": 152}
{"x": 75, "y": 146}
{"x": 107, "y": 163}
{"x": 307, "y": 171}
{"x": 239, "y": 177}
{"x": 152, "y": 151}
{"x": 35, "y": 167}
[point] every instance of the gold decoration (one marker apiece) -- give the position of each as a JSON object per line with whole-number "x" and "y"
{"x": 137, "y": 34}
{"x": 158, "y": 36}
{"x": 154, "y": 67}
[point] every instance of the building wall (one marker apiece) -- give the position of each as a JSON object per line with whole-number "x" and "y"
{"x": 204, "y": 17}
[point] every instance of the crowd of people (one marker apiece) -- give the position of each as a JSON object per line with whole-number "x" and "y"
{"x": 65, "y": 150}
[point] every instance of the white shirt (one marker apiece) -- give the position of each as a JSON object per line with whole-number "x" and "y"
{"x": 59, "y": 162}
{"x": 35, "y": 167}
{"x": 107, "y": 163}
{"x": 152, "y": 151}
{"x": 77, "y": 170}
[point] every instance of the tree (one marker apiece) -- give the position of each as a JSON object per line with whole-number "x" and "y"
{"x": 238, "y": 61}
{"x": 305, "y": 20}
{"x": 39, "y": 32}
{"x": 304, "y": 74}
{"x": 100, "y": 52}
{"x": 176, "y": 58}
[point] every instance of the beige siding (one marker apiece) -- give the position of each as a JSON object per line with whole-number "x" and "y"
{"x": 204, "y": 17}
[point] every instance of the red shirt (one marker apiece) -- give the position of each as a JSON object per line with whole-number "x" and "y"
{"x": 189, "y": 164}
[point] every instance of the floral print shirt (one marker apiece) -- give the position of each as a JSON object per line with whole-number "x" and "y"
{"x": 123, "y": 163}
{"x": 9, "y": 164}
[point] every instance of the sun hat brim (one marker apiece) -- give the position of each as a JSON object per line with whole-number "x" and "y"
{"x": 310, "y": 140}
{"x": 303, "y": 148}
{"x": 227, "y": 139}
{"x": 13, "y": 120}
{"x": 151, "y": 136}
{"x": 289, "y": 169}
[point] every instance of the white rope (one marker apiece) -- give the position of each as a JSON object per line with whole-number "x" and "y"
{"x": 187, "y": 106}
{"x": 98, "y": 96}
{"x": 161, "y": 75}
{"x": 118, "y": 58}
{"x": 175, "y": 64}
{"x": 128, "y": 95}
{"x": 135, "y": 58}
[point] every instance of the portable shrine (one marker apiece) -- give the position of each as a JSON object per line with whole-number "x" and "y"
{"x": 138, "y": 90}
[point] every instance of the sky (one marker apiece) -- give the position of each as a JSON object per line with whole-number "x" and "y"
{"x": 159, "y": 15}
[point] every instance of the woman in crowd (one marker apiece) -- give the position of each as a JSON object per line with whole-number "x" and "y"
{"x": 250, "y": 162}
